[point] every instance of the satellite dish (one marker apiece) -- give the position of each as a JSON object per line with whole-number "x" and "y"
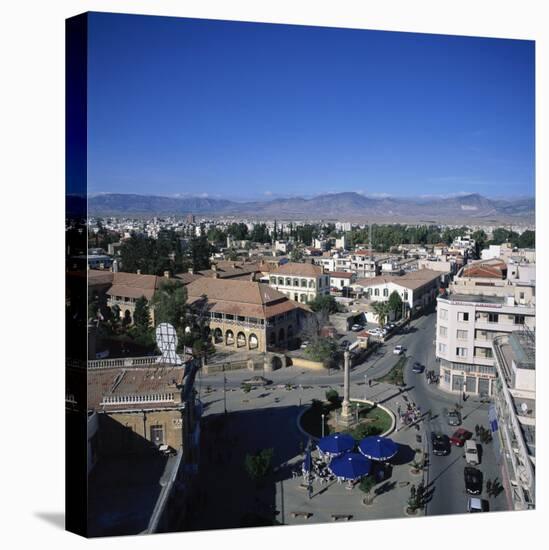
{"x": 166, "y": 340}
{"x": 524, "y": 408}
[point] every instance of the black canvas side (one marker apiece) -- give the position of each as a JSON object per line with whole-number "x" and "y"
{"x": 76, "y": 34}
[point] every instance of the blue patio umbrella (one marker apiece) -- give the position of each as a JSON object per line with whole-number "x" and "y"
{"x": 350, "y": 466}
{"x": 336, "y": 443}
{"x": 378, "y": 448}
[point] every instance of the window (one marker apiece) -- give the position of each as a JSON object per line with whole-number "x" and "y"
{"x": 443, "y": 331}
{"x": 405, "y": 295}
{"x": 376, "y": 292}
{"x": 442, "y": 348}
{"x": 447, "y": 376}
{"x": 304, "y": 283}
{"x": 463, "y": 316}
{"x": 157, "y": 434}
{"x": 462, "y": 334}
{"x": 288, "y": 281}
{"x": 493, "y": 317}
{"x": 280, "y": 281}
{"x": 519, "y": 319}
{"x": 273, "y": 280}
{"x": 296, "y": 282}
{"x": 385, "y": 292}
{"x": 485, "y": 353}
{"x": 461, "y": 352}
{"x": 443, "y": 314}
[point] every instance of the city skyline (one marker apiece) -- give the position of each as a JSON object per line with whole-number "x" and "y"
{"x": 278, "y": 111}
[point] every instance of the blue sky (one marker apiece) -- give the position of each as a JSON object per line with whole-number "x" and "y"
{"x": 246, "y": 110}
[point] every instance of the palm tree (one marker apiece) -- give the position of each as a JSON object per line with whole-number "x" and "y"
{"x": 382, "y": 311}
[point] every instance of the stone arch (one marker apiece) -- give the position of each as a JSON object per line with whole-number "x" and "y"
{"x": 229, "y": 338}
{"x": 240, "y": 340}
{"x": 218, "y": 335}
{"x": 253, "y": 342}
{"x": 276, "y": 362}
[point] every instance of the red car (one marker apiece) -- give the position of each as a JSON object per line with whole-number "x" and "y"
{"x": 460, "y": 436}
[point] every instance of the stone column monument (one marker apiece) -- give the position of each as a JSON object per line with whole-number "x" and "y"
{"x": 346, "y": 405}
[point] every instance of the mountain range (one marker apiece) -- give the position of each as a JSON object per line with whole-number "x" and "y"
{"x": 346, "y": 206}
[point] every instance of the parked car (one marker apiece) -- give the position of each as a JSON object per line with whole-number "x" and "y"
{"x": 473, "y": 480}
{"x": 475, "y": 504}
{"x": 471, "y": 452}
{"x": 454, "y": 418}
{"x": 397, "y": 350}
{"x": 257, "y": 381}
{"x": 441, "y": 444}
{"x": 460, "y": 436}
{"x": 356, "y": 327}
{"x": 417, "y": 368}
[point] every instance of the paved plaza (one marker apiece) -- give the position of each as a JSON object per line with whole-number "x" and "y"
{"x": 266, "y": 417}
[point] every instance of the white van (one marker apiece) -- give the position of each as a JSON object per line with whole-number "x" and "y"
{"x": 471, "y": 452}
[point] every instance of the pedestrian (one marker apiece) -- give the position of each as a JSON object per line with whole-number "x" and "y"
{"x": 398, "y": 409}
{"x": 370, "y": 383}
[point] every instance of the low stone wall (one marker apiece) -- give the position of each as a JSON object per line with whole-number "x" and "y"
{"x": 306, "y": 364}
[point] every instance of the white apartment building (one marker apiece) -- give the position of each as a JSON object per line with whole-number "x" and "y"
{"x": 336, "y": 262}
{"x": 341, "y": 279}
{"x": 301, "y": 282}
{"x": 415, "y": 288}
{"x": 486, "y": 300}
{"x": 514, "y": 411}
{"x": 364, "y": 264}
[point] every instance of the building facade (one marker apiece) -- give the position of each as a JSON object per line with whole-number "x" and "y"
{"x": 247, "y": 316}
{"x": 484, "y": 302}
{"x": 514, "y": 408}
{"x": 301, "y": 282}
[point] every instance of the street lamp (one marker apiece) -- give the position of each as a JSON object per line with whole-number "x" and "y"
{"x": 322, "y": 416}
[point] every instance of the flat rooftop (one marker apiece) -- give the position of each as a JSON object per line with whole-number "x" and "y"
{"x": 474, "y": 298}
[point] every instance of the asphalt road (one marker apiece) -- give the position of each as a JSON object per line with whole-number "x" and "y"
{"x": 444, "y": 473}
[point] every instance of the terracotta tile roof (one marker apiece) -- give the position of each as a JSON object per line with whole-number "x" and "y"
{"x": 97, "y": 277}
{"x": 340, "y": 274}
{"x": 299, "y": 269}
{"x": 236, "y": 297}
{"x": 493, "y": 268}
{"x": 132, "y": 285}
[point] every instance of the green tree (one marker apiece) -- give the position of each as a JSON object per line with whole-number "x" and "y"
{"x": 170, "y": 304}
{"x": 323, "y": 350}
{"x": 216, "y": 236}
{"x": 142, "y": 314}
{"x": 238, "y": 231}
{"x": 324, "y": 303}
{"x": 200, "y": 252}
{"x": 258, "y": 465}
{"x": 395, "y": 303}
{"x": 527, "y": 239}
{"x": 260, "y": 234}
{"x": 382, "y": 311}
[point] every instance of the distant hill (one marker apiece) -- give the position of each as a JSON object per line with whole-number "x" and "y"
{"x": 339, "y": 206}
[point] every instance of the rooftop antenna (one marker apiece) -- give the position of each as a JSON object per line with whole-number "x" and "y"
{"x": 166, "y": 340}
